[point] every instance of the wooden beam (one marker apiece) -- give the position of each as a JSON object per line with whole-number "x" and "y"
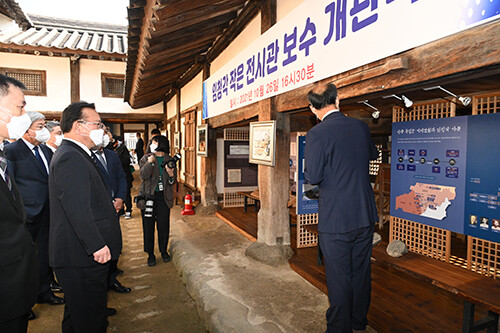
{"x": 61, "y": 52}
{"x": 74, "y": 68}
{"x": 136, "y": 117}
{"x": 231, "y": 117}
{"x": 199, "y": 15}
{"x": 268, "y": 15}
{"x": 179, "y": 8}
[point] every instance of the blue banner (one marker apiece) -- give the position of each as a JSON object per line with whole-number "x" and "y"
{"x": 307, "y": 194}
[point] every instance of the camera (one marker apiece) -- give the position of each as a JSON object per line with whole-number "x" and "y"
{"x": 148, "y": 211}
{"x": 171, "y": 163}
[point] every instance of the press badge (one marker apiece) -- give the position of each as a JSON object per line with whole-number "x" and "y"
{"x": 160, "y": 186}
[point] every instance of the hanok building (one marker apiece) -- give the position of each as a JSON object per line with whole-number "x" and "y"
{"x": 62, "y": 61}
{"x": 226, "y": 64}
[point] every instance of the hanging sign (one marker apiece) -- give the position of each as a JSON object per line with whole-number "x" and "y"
{"x": 322, "y": 38}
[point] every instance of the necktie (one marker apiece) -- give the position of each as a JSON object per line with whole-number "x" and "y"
{"x": 39, "y": 158}
{"x": 99, "y": 154}
{"x": 3, "y": 166}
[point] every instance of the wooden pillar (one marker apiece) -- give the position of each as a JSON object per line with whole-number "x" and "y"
{"x": 122, "y": 131}
{"x": 74, "y": 67}
{"x": 208, "y": 165}
{"x": 274, "y": 184}
{"x": 146, "y": 135}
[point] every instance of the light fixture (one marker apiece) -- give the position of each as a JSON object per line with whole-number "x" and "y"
{"x": 376, "y": 113}
{"x": 464, "y": 100}
{"x": 406, "y": 100}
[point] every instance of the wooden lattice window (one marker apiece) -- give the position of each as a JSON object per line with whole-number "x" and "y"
{"x": 305, "y": 238}
{"x": 433, "y": 110}
{"x": 483, "y": 257}
{"x": 483, "y": 104}
{"x": 113, "y": 85}
{"x": 34, "y": 80}
{"x": 190, "y": 147}
{"x": 375, "y": 164}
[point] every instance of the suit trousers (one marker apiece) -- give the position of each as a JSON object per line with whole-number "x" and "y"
{"x": 85, "y": 292}
{"x": 16, "y": 325}
{"x": 348, "y": 278}
{"x": 161, "y": 215}
{"x": 39, "y": 230}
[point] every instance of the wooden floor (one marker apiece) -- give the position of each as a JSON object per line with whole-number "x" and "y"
{"x": 400, "y": 303}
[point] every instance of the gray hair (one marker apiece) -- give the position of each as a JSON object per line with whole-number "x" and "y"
{"x": 52, "y": 124}
{"x": 34, "y": 116}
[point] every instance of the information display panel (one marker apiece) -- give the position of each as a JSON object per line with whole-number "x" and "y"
{"x": 446, "y": 173}
{"x": 482, "y": 200}
{"x": 307, "y": 194}
{"x": 428, "y": 171}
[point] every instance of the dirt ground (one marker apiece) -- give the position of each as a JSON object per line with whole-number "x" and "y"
{"x": 158, "y": 301}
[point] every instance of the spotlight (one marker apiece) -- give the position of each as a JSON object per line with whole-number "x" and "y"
{"x": 408, "y": 103}
{"x": 376, "y": 113}
{"x": 464, "y": 100}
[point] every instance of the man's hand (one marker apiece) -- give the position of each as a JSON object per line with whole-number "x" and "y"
{"x": 118, "y": 203}
{"x": 169, "y": 171}
{"x": 103, "y": 255}
{"x": 151, "y": 158}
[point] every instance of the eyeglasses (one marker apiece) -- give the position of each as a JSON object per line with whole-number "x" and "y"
{"x": 99, "y": 124}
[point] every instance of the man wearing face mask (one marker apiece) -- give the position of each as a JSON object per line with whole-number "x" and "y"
{"x": 124, "y": 155}
{"x": 84, "y": 235}
{"x": 18, "y": 263}
{"x": 56, "y": 135}
{"x": 30, "y": 168}
{"x": 116, "y": 180}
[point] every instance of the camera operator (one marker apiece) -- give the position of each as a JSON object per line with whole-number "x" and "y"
{"x": 157, "y": 191}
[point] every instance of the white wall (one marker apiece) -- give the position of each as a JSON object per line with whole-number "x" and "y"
{"x": 245, "y": 38}
{"x": 171, "y": 108}
{"x": 58, "y": 79}
{"x": 284, "y": 7}
{"x": 191, "y": 93}
{"x": 91, "y": 90}
{"x": 7, "y": 24}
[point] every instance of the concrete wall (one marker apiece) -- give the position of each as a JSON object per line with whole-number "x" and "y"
{"x": 91, "y": 88}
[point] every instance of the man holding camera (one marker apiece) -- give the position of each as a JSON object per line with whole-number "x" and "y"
{"x": 157, "y": 197}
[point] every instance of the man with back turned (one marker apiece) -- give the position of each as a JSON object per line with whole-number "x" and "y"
{"x": 84, "y": 234}
{"x": 337, "y": 155}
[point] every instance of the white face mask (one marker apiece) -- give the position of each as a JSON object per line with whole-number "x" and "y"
{"x": 153, "y": 147}
{"x": 42, "y": 135}
{"x": 105, "y": 140}
{"x": 96, "y": 136}
{"x": 58, "y": 140}
{"x": 17, "y": 126}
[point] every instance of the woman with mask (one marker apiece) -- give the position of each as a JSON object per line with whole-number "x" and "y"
{"x": 157, "y": 188}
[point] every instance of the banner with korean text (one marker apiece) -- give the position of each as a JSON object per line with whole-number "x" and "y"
{"x": 322, "y": 38}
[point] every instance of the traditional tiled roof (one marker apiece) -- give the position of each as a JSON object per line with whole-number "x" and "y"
{"x": 71, "y": 35}
{"x": 11, "y": 9}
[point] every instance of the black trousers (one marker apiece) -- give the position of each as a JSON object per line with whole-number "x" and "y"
{"x": 85, "y": 292}
{"x": 39, "y": 230}
{"x": 348, "y": 278}
{"x": 161, "y": 217}
{"x": 112, "y": 271}
{"x": 16, "y": 325}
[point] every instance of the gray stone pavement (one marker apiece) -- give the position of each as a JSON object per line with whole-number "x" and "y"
{"x": 235, "y": 293}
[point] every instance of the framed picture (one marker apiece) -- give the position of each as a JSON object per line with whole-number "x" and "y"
{"x": 202, "y": 140}
{"x": 262, "y": 142}
{"x": 177, "y": 140}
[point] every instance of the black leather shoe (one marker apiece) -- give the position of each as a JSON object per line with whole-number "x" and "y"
{"x": 55, "y": 287}
{"x": 117, "y": 286}
{"x": 110, "y": 312}
{"x": 31, "y": 315}
{"x": 119, "y": 271}
{"x": 151, "y": 260}
{"x": 51, "y": 299}
{"x": 165, "y": 256}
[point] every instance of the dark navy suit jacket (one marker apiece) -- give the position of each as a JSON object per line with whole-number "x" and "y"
{"x": 31, "y": 179}
{"x": 115, "y": 175}
{"x": 337, "y": 155}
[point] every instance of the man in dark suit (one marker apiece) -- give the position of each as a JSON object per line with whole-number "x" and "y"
{"x": 18, "y": 264}
{"x": 111, "y": 169}
{"x": 124, "y": 155}
{"x": 83, "y": 232}
{"x": 30, "y": 167}
{"x": 139, "y": 147}
{"x": 337, "y": 155}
